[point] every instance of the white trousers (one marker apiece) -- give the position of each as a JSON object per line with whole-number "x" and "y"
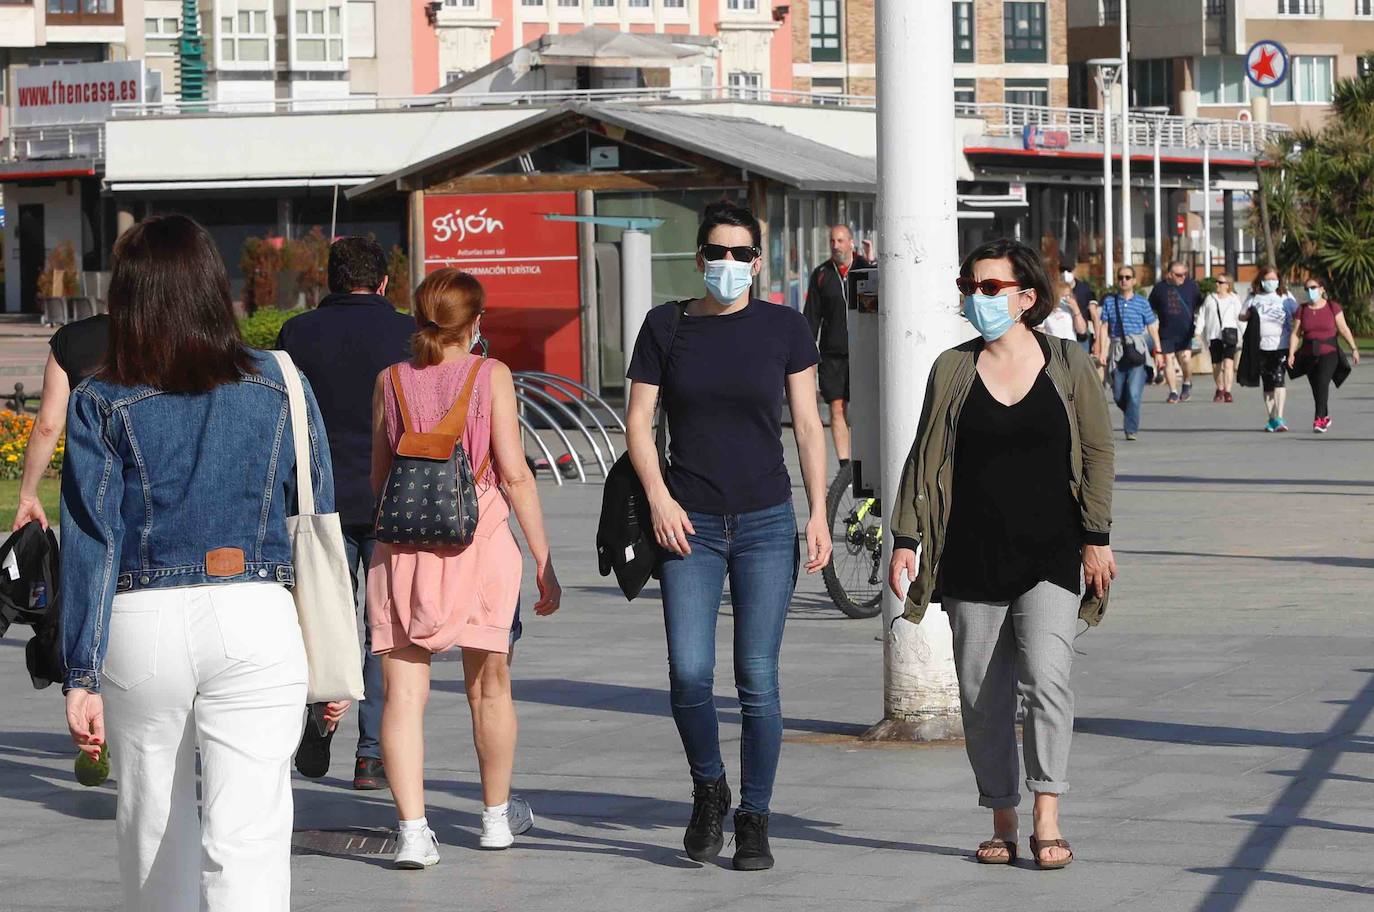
{"x": 222, "y": 668}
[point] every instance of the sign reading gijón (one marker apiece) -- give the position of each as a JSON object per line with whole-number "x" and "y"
{"x": 74, "y": 93}
{"x": 526, "y": 263}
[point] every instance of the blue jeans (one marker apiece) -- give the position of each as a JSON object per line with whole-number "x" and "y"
{"x": 759, "y": 552}
{"x": 1128, "y": 388}
{"x": 358, "y": 545}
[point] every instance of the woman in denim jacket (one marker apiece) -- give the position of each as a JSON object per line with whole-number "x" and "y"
{"x": 176, "y": 614}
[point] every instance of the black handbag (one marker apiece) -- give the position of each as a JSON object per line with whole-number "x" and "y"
{"x": 625, "y": 540}
{"x": 430, "y": 497}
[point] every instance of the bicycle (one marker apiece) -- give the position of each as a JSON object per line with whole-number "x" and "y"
{"x": 854, "y": 576}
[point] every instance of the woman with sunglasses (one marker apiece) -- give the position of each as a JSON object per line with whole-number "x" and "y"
{"x": 724, "y": 363}
{"x": 1015, "y": 445}
{"x": 1219, "y": 323}
{"x": 1319, "y": 324}
{"x": 1130, "y": 327}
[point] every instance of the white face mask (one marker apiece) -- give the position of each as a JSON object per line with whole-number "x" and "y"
{"x": 726, "y": 280}
{"x": 1068, "y": 277}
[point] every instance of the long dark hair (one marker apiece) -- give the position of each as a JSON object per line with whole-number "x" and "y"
{"x": 172, "y": 324}
{"x": 1026, "y": 265}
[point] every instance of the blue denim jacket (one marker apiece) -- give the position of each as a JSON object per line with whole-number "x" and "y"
{"x": 168, "y": 489}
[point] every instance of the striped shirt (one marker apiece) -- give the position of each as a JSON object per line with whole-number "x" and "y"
{"x": 1126, "y": 316}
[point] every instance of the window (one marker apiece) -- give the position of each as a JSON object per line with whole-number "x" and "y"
{"x": 674, "y": 4}
{"x": 319, "y": 35}
{"x": 828, "y": 86}
{"x": 531, "y": 2}
{"x": 1109, "y": 12}
{"x": 465, "y": 4}
{"x": 825, "y": 31}
{"x": 162, "y": 35}
{"x": 965, "y": 91}
{"x": 1300, "y": 7}
{"x": 84, "y": 12}
{"x": 641, "y": 4}
{"x": 453, "y": 75}
{"x": 745, "y": 84}
{"x": 742, "y": 4}
{"x": 1309, "y": 81}
{"x": 963, "y": 32}
{"x": 362, "y": 28}
{"x": 1364, "y": 65}
{"x": 1221, "y": 80}
{"x": 245, "y": 37}
{"x": 1024, "y": 32}
{"x": 1364, "y": 7}
{"x": 603, "y": 2}
{"x": 572, "y": 3}
{"x": 1028, "y": 92}
{"x": 1150, "y": 83}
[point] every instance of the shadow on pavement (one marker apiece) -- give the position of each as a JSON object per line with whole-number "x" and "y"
{"x": 1359, "y": 563}
{"x": 1285, "y": 813}
{"x": 1198, "y": 479}
{"x": 53, "y": 788}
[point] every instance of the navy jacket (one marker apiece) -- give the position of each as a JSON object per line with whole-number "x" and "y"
{"x": 341, "y": 346}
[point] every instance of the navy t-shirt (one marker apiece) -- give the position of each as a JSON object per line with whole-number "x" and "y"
{"x": 723, "y": 394}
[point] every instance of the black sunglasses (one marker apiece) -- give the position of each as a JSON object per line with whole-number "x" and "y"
{"x": 989, "y": 287}
{"x": 1125, "y": 276}
{"x": 738, "y": 254}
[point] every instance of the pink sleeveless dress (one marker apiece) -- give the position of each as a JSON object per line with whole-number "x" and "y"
{"x": 442, "y": 598}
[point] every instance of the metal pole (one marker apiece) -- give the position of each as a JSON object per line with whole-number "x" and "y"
{"x": 1159, "y": 238}
{"x": 918, "y": 318}
{"x": 586, "y": 282}
{"x": 1109, "y": 274}
{"x": 334, "y": 214}
{"x": 636, "y": 290}
{"x": 1206, "y": 205}
{"x": 1127, "y": 253}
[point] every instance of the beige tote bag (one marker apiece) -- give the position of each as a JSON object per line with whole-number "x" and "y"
{"x": 323, "y": 590}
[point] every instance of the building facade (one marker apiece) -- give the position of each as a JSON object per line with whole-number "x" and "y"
{"x": 1189, "y": 55}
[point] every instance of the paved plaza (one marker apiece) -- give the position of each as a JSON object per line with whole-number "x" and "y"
{"x": 1224, "y": 757}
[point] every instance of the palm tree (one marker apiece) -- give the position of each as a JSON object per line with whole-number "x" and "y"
{"x": 1319, "y": 190}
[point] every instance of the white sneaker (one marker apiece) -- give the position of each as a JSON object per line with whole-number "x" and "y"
{"x": 416, "y": 849}
{"x": 499, "y": 830}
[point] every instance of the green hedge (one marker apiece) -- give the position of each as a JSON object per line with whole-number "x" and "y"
{"x": 260, "y": 330}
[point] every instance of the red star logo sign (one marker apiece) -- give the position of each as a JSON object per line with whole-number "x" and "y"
{"x": 1263, "y": 68}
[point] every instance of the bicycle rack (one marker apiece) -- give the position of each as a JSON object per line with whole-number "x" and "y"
{"x": 534, "y": 392}
{"x": 561, "y": 402}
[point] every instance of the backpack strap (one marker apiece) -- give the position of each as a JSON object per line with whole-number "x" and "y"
{"x": 456, "y": 421}
{"x": 406, "y": 423}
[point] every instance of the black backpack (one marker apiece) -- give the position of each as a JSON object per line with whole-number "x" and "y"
{"x": 31, "y": 598}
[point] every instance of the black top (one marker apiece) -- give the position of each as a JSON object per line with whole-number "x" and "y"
{"x": 1176, "y": 306}
{"x": 1083, "y": 296}
{"x": 1013, "y": 522}
{"x": 341, "y": 346}
{"x": 79, "y": 348}
{"x": 827, "y": 299}
{"x": 723, "y": 394}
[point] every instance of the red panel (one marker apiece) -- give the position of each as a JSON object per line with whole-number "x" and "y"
{"x": 567, "y": 28}
{"x": 780, "y": 54}
{"x": 424, "y": 50}
{"x": 678, "y": 29}
{"x": 642, "y": 28}
{"x": 533, "y": 30}
{"x": 528, "y": 266}
{"x": 503, "y": 41}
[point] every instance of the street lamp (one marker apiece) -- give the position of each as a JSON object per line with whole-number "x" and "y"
{"x": 1108, "y": 70}
{"x": 1125, "y": 70}
{"x": 1159, "y": 112}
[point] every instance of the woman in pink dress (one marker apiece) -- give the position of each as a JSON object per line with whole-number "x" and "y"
{"x": 427, "y": 600}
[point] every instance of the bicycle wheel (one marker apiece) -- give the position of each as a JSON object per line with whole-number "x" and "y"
{"x": 853, "y": 578}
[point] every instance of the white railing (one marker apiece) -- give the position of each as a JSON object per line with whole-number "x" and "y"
{"x": 461, "y": 100}
{"x": 61, "y": 141}
{"x": 1084, "y": 125}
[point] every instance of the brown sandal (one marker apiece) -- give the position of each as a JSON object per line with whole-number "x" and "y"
{"x": 1038, "y": 844}
{"x": 997, "y": 843}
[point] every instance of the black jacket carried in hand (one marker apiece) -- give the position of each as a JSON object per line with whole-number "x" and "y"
{"x": 28, "y": 560}
{"x": 341, "y": 346}
{"x": 827, "y": 299}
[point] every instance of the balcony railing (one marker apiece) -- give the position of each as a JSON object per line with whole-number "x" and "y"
{"x": 1085, "y": 126}
{"x": 462, "y": 101}
{"x": 66, "y": 141}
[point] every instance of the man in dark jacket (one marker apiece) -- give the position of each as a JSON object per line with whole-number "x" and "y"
{"x": 341, "y": 347}
{"x": 827, "y": 300}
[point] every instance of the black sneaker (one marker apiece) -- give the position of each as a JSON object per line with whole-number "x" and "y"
{"x": 710, "y": 804}
{"x": 312, "y": 755}
{"x": 368, "y": 774}
{"x": 751, "y": 842}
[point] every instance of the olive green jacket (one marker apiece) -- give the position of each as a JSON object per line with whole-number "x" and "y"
{"x": 924, "y": 498}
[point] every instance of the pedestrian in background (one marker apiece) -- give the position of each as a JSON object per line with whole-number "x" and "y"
{"x": 826, "y": 309}
{"x": 177, "y": 619}
{"x": 425, "y": 600}
{"x": 1130, "y": 333}
{"x": 1086, "y": 299}
{"x": 1029, "y": 472}
{"x": 1270, "y": 304}
{"x": 724, "y": 363}
{"x": 1175, "y": 301}
{"x": 1065, "y": 320}
{"x": 76, "y": 351}
{"x": 1218, "y": 323}
{"x": 341, "y": 346}
{"x": 1319, "y": 324}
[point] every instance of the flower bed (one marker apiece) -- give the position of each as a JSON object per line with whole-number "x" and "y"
{"x": 14, "y": 437}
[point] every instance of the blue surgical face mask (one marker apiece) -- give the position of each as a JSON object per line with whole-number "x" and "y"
{"x": 1314, "y": 295}
{"x": 1270, "y": 285}
{"x": 989, "y": 314}
{"x": 726, "y": 280}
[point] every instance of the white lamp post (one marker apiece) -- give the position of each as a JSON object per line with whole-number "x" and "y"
{"x": 1107, "y": 71}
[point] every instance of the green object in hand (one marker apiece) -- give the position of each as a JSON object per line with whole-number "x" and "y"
{"x": 90, "y": 772}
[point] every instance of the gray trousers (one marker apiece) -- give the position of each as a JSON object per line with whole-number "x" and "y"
{"x": 1002, "y": 650}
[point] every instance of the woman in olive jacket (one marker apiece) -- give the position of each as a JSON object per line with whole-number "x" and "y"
{"x": 1007, "y": 499}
